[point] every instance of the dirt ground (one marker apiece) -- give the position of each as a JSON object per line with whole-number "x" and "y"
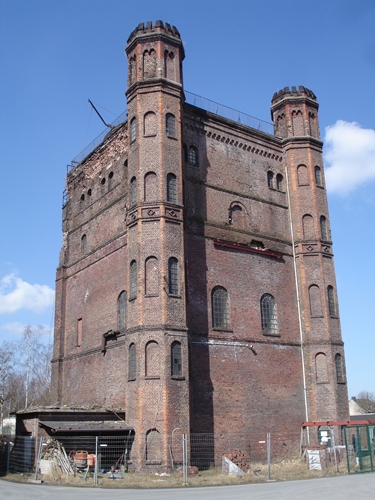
{"x": 284, "y": 470}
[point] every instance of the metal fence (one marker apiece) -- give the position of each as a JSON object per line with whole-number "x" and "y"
{"x": 104, "y": 456}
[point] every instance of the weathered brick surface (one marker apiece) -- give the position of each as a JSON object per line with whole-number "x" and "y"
{"x": 233, "y": 380}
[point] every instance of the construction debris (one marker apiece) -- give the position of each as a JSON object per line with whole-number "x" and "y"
{"x": 55, "y": 453}
{"x": 228, "y": 467}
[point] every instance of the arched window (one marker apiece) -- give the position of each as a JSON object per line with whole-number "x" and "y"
{"x": 169, "y": 65}
{"x": 331, "y": 301}
{"x": 173, "y": 276}
{"x": 83, "y": 244}
{"x": 268, "y": 314}
{"x": 133, "y": 129}
{"x": 170, "y": 125}
{"x": 176, "y": 359}
{"x": 133, "y": 279}
{"x": 270, "y": 179}
{"x": 152, "y": 276}
{"x": 302, "y": 175}
{"x": 132, "y": 362}
{"x": 193, "y": 155}
{"x": 171, "y": 188}
{"x": 315, "y": 302}
{"x": 279, "y": 182}
{"x": 308, "y": 227}
{"x": 149, "y": 124}
{"x": 152, "y": 359}
{"x": 151, "y": 187}
{"x": 220, "y": 308}
{"x": 121, "y": 311}
{"x": 321, "y": 368}
{"x": 339, "y": 369}
{"x": 323, "y": 228}
{"x": 318, "y": 177}
{"x": 133, "y": 191}
{"x": 154, "y": 446}
{"x": 237, "y": 216}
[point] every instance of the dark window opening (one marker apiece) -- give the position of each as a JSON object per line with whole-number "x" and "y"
{"x": 176, "y": 359}
{"x": 268, "y": 314}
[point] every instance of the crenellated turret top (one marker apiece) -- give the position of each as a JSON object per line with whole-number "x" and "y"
{"x": 292, "y": 92}
{"x": 157, "y": 27}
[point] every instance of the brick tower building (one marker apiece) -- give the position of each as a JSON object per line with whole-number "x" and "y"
{"x": 196, "y": 285}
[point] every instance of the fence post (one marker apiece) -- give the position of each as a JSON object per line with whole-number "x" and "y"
{"x": 184, "y": 459}
{"x": 268, "y": 456}
{"x": 96, "y": 461}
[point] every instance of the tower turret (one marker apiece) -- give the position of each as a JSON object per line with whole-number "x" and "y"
{"x": 295, "y": 117}
{"x": 157, "y": 397}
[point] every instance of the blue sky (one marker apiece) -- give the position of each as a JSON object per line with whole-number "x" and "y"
{"x": 56, "y": 54}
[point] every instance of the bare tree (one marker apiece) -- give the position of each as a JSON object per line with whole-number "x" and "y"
{"x": 25, "y": 372}
{"x": 366, "y": 400}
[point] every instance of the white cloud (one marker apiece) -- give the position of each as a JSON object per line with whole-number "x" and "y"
{"x": 349, "y": 156}
{"x": 16, "y": 294}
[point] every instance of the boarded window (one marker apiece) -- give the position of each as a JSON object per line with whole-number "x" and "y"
{"x": 339, "y": 369}
{"x": 171, "y": 188}
{"x": 220, "y": 308}
{"x": 151, "y": 187}
{"x": 149, "y": 64}
{"x": 152, "y": 359}
{"x": 321, "y": 368}
{"x": 169, "y": 65}
{"x": 133, "y": 191}
{"x": 331, "y": 301}
{"x": 303, "y": 176}
{"x": 268, "y": 314}
{"x": 279, "y": 182}
{"x": 170, "y": 125}
{"x": 121, "y": 311}
{"x": 133, "y": 130}
{"x": 270, "y": 177}
{"x": 154, "y": 446}
{"x": 308, "y": 227}
{"x": 176, "y": 359}
{"x": 237, "y": 216}
{"x": 133, "y": 279}
{"x": 132, "y": 362}
{"x": 323, "y": 228}
{"x": 318, "y": 177}
{"x": 149, "y": 125}
{"x": 315, "y": 301}
{"x": 173, "y": 276}
{"x": 152, "y": 276}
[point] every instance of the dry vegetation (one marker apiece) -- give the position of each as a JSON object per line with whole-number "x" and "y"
{"x": 284, "y": 470}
